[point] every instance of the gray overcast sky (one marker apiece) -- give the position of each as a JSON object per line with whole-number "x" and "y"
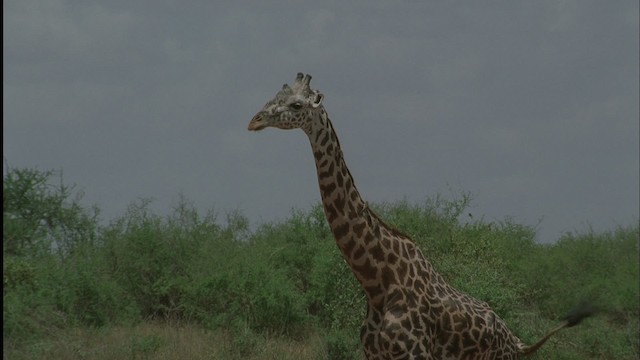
{"x": 531, "y": 106}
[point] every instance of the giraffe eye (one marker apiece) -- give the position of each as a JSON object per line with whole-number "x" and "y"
{"x": 296, "y": 106}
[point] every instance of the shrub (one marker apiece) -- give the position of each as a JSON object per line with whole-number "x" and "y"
{"x": 342, "y": 345}
{"x": 39, "y": 217}
{"x": 154, "y": 258}
{"x": 44, "y": 228}
{"x": 335, "y": 297}
{"x": 600, "y": 267}
{"x": 249, "y": 293}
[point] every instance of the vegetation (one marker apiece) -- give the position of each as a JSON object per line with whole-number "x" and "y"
{"x": 190, "y": 286}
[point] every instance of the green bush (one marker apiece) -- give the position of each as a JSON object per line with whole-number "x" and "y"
{"x": 44, "y": 229}
{"x": 40, "y": 217}
{"x": 87, "y": 292}
{"x": 60, "y": 270}
{"x": 256, "y": 295}
{"x": 292, "y": 245}
{"x": 28, "y": 313}
{"x": 335, "y": 297}
{"x": 153, "y": 258}
{"x": 17, "y": 272}
{"x": 602, "y": 268}
{"x": 342, "y": 345}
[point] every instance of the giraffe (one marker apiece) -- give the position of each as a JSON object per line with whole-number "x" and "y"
{"x": 412, "y": 312}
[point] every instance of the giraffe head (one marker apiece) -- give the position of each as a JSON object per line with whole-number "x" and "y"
{"x": 291, "y": 108}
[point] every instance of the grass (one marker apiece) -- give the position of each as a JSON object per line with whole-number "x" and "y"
{"x": 169, "y": 341}
{"x": 160, "y": 340}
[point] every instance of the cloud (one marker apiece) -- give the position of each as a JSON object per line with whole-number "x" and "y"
{"x": 531, "y": 106}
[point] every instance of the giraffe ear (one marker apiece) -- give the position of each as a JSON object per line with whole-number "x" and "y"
{"x": 317, "y": 100}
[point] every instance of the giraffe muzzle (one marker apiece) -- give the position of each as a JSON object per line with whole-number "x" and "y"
{"x": 257, "y": 123}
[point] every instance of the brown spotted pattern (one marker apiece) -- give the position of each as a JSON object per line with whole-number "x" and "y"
{"x": 412, "y": 312}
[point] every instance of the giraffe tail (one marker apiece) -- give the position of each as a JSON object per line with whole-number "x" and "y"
{"x": 573, "y": 318}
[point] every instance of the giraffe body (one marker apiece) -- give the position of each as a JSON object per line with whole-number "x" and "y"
{"x": 413, "y": 313}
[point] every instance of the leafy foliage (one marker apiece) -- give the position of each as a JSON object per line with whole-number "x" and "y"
{"x": 39, "y": 217}
{"x": 61, "y": 269}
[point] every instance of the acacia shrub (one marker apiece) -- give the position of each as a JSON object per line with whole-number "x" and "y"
{"x": 49, "y": 275}
{"x": 250, "y": 292}
{"x": 40, "y": 218}
{"x": 151, "y": 257}
{"x": 233, "y": 281}
{"x": 292, "y": 244}
{"x": 600, "y": 267}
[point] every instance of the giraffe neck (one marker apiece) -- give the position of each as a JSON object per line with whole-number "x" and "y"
{"x": 340, "y": 197}
{"x": 348, "y": 216}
